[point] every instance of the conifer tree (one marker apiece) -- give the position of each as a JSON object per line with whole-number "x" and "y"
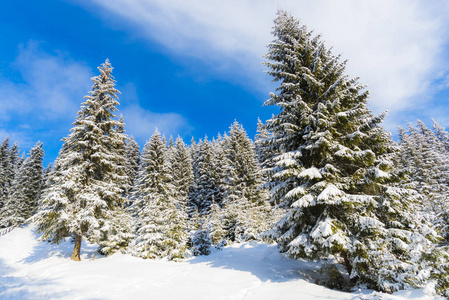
{"x": 263, "y": 148}
{"x": 182, "y": 171}
{"x": 425, "y": 162}
{"x": 171, "y": 145}
{"x": 132, "y": 153}
{"x": 25, "y": 191}
{"x": 86, "y": 185}
{"x": 121, "y": 152}
{"x": 441, "y": 134}
{"x": 154, "y": 175}
{"x": 10, "y": 163}
{"x": 193, "y": 149}
{"x": 221, "y": 169}
{"x": 46, "y": 176}
{"x": 161, "y": 222}
{"x": 215, "y": 226}
{"x": 246, "y": 176}
{"x": 245, "y": 212}
{"x": 201, "y": 242}
{"x": 334, "y": 167}
{"x": 119, "y": 234}
{"x": 207, "y": 177}
{"x": 5, "y": 171}
{"x": 14, "y": 160}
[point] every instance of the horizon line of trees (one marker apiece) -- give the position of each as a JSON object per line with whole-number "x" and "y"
{"x": 323, "y": 179}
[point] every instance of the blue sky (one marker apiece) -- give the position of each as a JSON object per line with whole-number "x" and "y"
{"x": 192, "y": 67}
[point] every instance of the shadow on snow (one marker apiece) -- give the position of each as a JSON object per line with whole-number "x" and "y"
{"x": 261, "y": 260}
{"x": 45, "y": 249}
{"x": 21, "y": 287}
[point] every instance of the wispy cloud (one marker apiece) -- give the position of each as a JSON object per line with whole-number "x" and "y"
{"x": 48, "y": 86}
{"x": 394, "y": 46}
{"x": 141, "y": 123}
{"x": 42, "y": 94}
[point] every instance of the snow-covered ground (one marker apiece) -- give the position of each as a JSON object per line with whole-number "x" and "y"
{"x": 30, "y": 269}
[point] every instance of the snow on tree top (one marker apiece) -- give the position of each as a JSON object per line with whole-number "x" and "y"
{"x": 303, "y": 201}
{"x": 323, "y": 229}
{"x": 330, "y": 194}
{"x": 295, "y": 192}
{"x": 380, "y": 174}
{"x": 311, "y": 173}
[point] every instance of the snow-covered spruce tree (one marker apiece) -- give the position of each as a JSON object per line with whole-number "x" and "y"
{"x": 15, "y": 161}
{"x": 215, "y": 226}
{"x": 425, "y": 161}
{"x": 245, "y": 172}
{"x": 86, "y": 185}
{"x": 193, "y": 149}
{"x": 181, "y": 169}
{"x": 222, "y": 169}
{"x": 4, "y": 164}
{"x": 132, "y": 160}
{"x": 441, "y": 134}
{"x": 208, "y": 177}
{"x": 161, "y": 221}
{"x": 264, "y": 149}
{"x": 199, "y": 241}
{"x": 46, "y": 176}
{"x": 245, "y": 211}
{"x": 6, "y": 171}
{"x": 9, "y": 166}
{"x": 119, "y": 233}
{"x": 170, "y": 147}
{"x": 25, "y": 189}
{"x": 121, "y": 152}
{"x": 334, "y": 168}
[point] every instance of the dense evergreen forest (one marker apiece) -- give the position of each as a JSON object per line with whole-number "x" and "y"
{"x": 322, "y": 178}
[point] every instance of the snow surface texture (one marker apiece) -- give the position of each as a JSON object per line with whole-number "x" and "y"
{"x": 31, "y": 269}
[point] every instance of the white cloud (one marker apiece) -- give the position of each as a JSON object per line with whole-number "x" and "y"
{"x": 40, "y": 94}
{"x": 141, "y": 123}
{"x": 394, "y": 46}
{"x": 46, "y": 96}
{"x": 49, "y": 87}
{"x": 21, "y": 138}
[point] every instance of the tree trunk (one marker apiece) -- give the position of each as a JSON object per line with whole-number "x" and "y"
{"x": 346, "y": 262}
{"x": 77, "y": 248}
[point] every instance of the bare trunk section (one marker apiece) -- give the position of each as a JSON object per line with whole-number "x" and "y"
{"x": 346, "y": 262}
{"x": 77, "y": 249}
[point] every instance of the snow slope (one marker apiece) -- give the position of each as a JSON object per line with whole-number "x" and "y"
{"x": 30, "y": 269}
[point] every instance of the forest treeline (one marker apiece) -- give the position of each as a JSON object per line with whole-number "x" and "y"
{"x": 322, "y": 178}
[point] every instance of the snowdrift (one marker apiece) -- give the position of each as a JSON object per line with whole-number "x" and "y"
{"x": 32, "y": 269}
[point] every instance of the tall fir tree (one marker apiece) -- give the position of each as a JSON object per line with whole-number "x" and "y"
{"x": 441, "y": 134}
{"x": 245, "y": 171}
{"x": 245, "y": 212}
{"x": 209, "y": 168}
{"x": 25, "y": 190}
{"x": 264, "y": 149}
{"x": 161, "y": 222}
{"x": 132, "y": 153}
{"x": 86, "y": 185}
{"x": 15, "y": 160}
{"x": 425, "y": 163}
{"x": 5, "y": 167}
{"x": 182, "y": 170}
{"x": 334, "y": 168}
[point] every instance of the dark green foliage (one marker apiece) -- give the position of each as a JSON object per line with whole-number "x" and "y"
{"x": 333, "y": 167}
{"x": 86, "y": 186}
{"x": 334, "y": 278}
